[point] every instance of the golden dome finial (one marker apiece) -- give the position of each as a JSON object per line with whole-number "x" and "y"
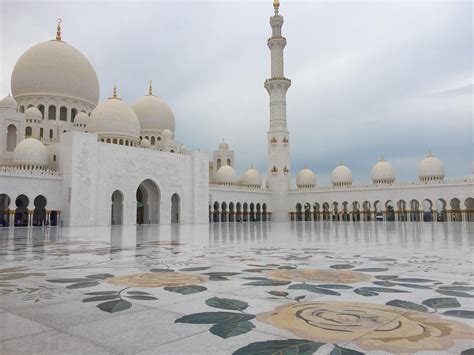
{"x": 114, "y": 94}
{"x": 150, "y": 89}
{"x": 306, "y": 166}
{"x": 276, "y": 4}
{"x": 381, "y": 158}
{"x": 341, "y": 163}
{"x": 58, "y": 29}
{"x": 429, "y": 153}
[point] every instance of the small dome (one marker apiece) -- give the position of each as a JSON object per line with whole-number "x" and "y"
{"x": 9, "y": 102}
{"x": 114, "y": 118}
{"x": 55, "y": 68}
{"x": 183, "y": 149}
{"x": 33, "y": 113}
{"x": 252, "y": 178}
{"x": 81, "y": 118}
{"x": 383, "y": 173}
{"x": 30, "y": 151}
{"x": 154, "y": 114}
{"x": 223, "y": 145}
{"x": 167, "y": 134}
{"x": 305, "y": 178}
{"x": 145, "y": 143}
{"x": 341, "y": 176}
{"x": 226, "y": 175}
{"x": 431, "y": 169}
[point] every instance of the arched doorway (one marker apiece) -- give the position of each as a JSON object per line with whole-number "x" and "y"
{"x": 252, "y": 212}
{"x": 307, "y": 211}
{"x": 389, "y": 211}
{"x": 456, "y": 210}
{"x": 238, "y": 216}
{"x": 335, "y": 212}
{"x": 246, "y": 212}
{"x": 21, "y": 212}
{"x": 231, "y": 212}
{"x": 355, "y": 211}
{"x": 39, "y": 214}
{"x": 366, "y": 208}
{"x": 414, "y": 211}
{"x": 175, "y": 208}
{"x": 264, "y": 212}
{"x": 402, "y": 211}
{"x": 299, "y": 212}
{"x": 4, "y": 211}
{"x": 427, "y": 210}
{"x": 345, "y": 211}
{"x": 378, "y": 211}
{"x": 469, "y": 203}
{"x": 441, "y": 210}
{"x": 11, "y": 138}
{"x": 224, "y": 212}
{"x": 216, "y": 211}
{"x": 116, "y": 214}
{"x": 326, "y": 213}
{"x": 148, "y": 203}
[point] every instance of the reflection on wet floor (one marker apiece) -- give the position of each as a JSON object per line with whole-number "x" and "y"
{"x": 237, "y": 287}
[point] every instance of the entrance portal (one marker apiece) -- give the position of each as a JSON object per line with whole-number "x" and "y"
{"x": 148, "y": 203}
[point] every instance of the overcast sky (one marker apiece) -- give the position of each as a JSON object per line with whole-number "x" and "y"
{"x": 368, "y": 78}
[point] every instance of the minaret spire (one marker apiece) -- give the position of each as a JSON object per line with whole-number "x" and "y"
{"x": 278, "y": 135}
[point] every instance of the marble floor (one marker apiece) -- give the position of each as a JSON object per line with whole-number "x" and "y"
{"x": 254, "y": 288}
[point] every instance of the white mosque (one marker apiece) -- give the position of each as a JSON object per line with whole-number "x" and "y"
{"x": 67, "y": 159}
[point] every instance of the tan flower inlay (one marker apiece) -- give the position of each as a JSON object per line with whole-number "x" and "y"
{"x": 157, "y": 279}
{"x": 318, "y": 275}
{"x": 371, "y": 326}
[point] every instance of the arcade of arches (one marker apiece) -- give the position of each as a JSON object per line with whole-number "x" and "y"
{"x": 27, "y": 212}
{"x": 238, "y": 212}
{"x": 412, "y": 211}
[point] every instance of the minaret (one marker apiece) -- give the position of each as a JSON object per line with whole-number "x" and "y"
{"x": 278, "y": 135}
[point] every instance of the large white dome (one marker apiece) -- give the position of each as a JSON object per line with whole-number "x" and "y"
{"x": 225, "y": 175}
{"x": 341, "y": 176}
{"x": 154, "y": 114}
{"x": 55, "y": 68}
{"x": 9, "y": 102}
{"x": 81, "y": 118}
{"x": 223, "y": 145}
{"x": 252, "y": 178}
{"x": 383, "y": 173}
{"x": 30, "y": 151}
{"x": 430, "y": 169}
{"x": 33, "y": 113}
{"x": 114, "y": 118}
{"x": 305, "y": 178}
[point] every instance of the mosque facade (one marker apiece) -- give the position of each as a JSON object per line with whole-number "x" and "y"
{"x": 67, "y": 159}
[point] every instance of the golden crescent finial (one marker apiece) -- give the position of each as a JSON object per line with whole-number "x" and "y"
{"x": 58, "y": 29}
{"x": 114, "y": 94}
{"x": 150, "y": 89}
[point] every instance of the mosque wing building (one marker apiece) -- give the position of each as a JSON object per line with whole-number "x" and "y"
{"x": 67, "y": 159}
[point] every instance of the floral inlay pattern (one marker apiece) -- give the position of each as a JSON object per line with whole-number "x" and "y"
{"x": 318, "y": 275}
{"x": 157, "y": 279}
{"x": 371, "y": 326}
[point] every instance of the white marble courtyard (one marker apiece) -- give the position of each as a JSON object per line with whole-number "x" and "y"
{"x": 254, "y": 288}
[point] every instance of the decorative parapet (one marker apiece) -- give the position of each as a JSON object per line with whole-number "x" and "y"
{"x": 451, "y": 181}
{"x": 15, "y": 171}
{"x": 214, "y": 186}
